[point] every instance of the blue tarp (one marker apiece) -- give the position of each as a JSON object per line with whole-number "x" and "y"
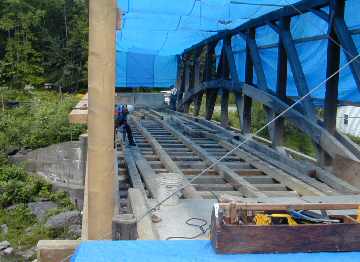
{"x": 189, "y": 251}
{"x": 154, "y": 32}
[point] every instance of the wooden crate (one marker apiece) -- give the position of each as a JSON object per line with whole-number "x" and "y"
{"x": 250, "y": 238}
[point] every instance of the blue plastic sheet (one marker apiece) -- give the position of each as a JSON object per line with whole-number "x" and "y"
{"x": 189, "y": 251}
{"x": 154, "y": 32}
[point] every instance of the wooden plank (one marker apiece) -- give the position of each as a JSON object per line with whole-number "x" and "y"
{"x": 271, "y": 239}
{"x": 189, "y": 191}
{"x": 233, "y": 178}
{"x": 281, "y": 161}
{"x": 139, "y": 206}
{"x": 348, "y": 199}
{"x": 287, "y": 206}
{"x": 56, "y": 250}
{"x": 79, "y": 114}
{"x": 146, "y": 171}
{"x": 134, "y": 175}
{"x": 347, "y": 170}
{"x": 295, "y": 183}
{"x": 280, "y": 178}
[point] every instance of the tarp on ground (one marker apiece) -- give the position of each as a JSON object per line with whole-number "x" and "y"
{"x": 187, "y": 251}
{"x": 153, "y": 33}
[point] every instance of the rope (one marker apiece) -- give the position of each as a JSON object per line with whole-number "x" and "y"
{"x": 200, "y": 226}
{"x": 248, "y": 138}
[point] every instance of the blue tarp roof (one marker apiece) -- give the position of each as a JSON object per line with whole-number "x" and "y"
{"x": 155, "y": 31}
{"x": 189, "y": 251}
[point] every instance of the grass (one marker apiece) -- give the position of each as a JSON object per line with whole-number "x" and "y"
{"x": 39, "y": 121}
{"x": 294, "y": 138}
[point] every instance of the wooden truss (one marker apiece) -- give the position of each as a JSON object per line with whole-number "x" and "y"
{"x": 199, "y": 74}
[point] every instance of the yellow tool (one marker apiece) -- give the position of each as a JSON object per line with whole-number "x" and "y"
{"x": 264, "y": 219}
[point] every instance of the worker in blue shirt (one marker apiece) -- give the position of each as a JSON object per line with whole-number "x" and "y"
{"x": 121, "y": 113}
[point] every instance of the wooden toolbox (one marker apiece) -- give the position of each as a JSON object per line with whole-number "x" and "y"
{"x": 229, "y": 236}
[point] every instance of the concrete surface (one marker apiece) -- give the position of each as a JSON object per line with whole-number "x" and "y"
{"x": 61, "y": 164}
{"x": 173, "y": 218}
{"x": 141, "y": 99}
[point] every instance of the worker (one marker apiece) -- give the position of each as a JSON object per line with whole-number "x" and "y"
{"x": 121, "y": 113}
{"x": 173, "y": 97}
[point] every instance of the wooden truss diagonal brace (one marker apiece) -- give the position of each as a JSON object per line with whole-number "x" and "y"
{"x": 318, "y": 134}
{"x": 296, "y": 68}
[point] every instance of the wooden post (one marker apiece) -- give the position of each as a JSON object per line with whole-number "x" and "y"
{"x": 179, "y": 84}
{"x": 225, "y": 75}
{"x": 198, "y": 98}
{"x": 333, "y": 64}
{"x": 124, "y": 227}
{"x": 187, "y": 83}
{"x": 278, "y": 135}
{"x": 210, "y": 94}
{"x": 225, "y": 108}
{"x": 99, "y": 200}
{"x": 244, "y": 107}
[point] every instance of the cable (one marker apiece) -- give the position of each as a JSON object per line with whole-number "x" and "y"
{"x": 200, "y": 226}
{"x": 248, "y": 138}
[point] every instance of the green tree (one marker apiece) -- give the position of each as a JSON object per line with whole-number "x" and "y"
{"x": 21, "y": 63}
{"x": 43, "y": 41}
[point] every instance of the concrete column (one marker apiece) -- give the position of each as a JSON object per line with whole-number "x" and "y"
{"x": 98, "y": 211}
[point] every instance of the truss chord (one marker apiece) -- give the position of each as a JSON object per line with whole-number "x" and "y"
{"x": 325, "y": 32}
{"x": 247, "y": 139}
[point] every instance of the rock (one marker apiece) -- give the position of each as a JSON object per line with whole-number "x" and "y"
{"x": 40, "y": 209}
{"x": 8, "y": 251}
{"x": 27, "y": 254}
{"x": 4, "y": 244}
{"x": 75, "y": 231}
{"x": 12, "y": 207}
{"x": 64, "y": 219}
{"x": 4, "y": 229}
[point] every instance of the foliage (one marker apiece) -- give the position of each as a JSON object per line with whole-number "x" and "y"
{"x": 17, "y": 189}
{"x": 355, "y": 139}
{"x": 19, "y": 219}
{"x": 294, "y": 138}
{"x": 16, "y": 186}
{"x": 43, "y": 41}
{"x": 40, "y": 120}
